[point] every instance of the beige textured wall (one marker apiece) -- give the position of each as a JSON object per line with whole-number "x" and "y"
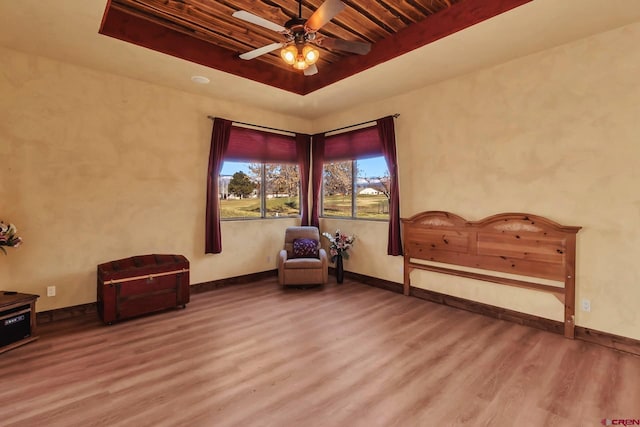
{"x": 556, "y": 134}
{"x": 369, "y": 253}
{"x": 96, "y": 167}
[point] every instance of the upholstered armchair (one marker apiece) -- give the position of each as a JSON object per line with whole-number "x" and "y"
{"x": 302, "y": 261}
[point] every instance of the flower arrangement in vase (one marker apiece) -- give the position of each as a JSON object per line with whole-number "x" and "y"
{"x": 339, "y": 245}
{"x": 8, "y": 236}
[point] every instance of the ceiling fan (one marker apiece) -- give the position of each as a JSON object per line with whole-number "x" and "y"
{"x": 301, "y": 35}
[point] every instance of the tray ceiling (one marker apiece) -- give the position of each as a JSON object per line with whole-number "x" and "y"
{"x": 205, "y": 32}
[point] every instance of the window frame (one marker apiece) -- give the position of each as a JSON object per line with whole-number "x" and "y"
{"x": 262, "y": 194}
{"x": 354, "y": 196}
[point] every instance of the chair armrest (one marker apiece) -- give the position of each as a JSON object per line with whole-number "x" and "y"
{"x": 325, "y": 265}
{"x": 282, "y": 257}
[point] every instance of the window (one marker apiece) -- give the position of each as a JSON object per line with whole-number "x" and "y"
{"x": 355, "y": 178}
{"x": 242, "y": 195}
{"x": 337, "y": 189}
{"x": 372, "y": 188}
{"x": 356, "y": 189}
{"x": 260, "y": 177}
{"x": 282, "y": 192}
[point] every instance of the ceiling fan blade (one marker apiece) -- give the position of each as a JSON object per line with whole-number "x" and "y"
{"x": 311, "y": 70}
{"x": 324, "y": 14}
{"x": 261, "y": 51}
{"x": 255, "y": 19}
{"x": 360, "y": 48}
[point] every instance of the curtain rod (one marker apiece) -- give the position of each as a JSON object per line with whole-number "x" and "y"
{"x": 395, "y": 116}
{"x": 258, "y": 126}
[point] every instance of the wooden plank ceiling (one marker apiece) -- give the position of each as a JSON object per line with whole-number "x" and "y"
{"x": 205, "y": 32}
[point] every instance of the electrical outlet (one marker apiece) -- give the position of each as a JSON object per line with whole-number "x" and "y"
{"x": 586, "y": 304}
{"x": 51, "y": 291}
{"x": 268, "y": 258}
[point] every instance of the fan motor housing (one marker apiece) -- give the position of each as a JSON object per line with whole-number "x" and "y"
{"x": 295, "y": 25}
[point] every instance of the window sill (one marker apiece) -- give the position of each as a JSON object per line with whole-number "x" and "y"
{"x": 259, "y": 218}
{"x": 350, "y": 218}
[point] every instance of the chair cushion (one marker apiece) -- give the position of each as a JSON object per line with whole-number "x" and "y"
{"x": 305, "y": 248}
{"x": 303, "y": 263}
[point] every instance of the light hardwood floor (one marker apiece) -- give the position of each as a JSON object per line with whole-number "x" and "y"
{"x": 342, "y": 355}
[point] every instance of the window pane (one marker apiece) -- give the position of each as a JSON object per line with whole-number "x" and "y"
{"x": 338, "y": 189}
{"x": 239, "y": 187}
{"x": 372, "y": 186}
{"x": 283, "y": 190}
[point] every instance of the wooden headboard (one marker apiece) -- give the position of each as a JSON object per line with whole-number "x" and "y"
{"x": 528, "y": 246}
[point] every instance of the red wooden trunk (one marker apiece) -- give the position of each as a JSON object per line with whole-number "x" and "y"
{"x": 138, "y": 285}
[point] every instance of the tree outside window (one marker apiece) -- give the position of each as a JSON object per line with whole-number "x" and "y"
{"x": 241, "y": 185}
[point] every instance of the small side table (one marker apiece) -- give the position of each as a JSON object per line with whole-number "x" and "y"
{"x": 17, "y": 319}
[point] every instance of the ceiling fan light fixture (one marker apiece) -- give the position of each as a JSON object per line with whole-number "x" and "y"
{"x": 299, "y": 49}
{"x": 300, "y": 64}
{"x": 310, "y": 54}
{"x": 289, "y": 54}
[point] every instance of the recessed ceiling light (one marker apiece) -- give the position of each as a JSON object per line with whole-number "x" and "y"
{"x": 200, "y": 80}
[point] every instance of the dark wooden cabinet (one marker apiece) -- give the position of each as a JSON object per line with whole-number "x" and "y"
{"x": 143, "y": 284}
{"x": 17, "y": 319}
